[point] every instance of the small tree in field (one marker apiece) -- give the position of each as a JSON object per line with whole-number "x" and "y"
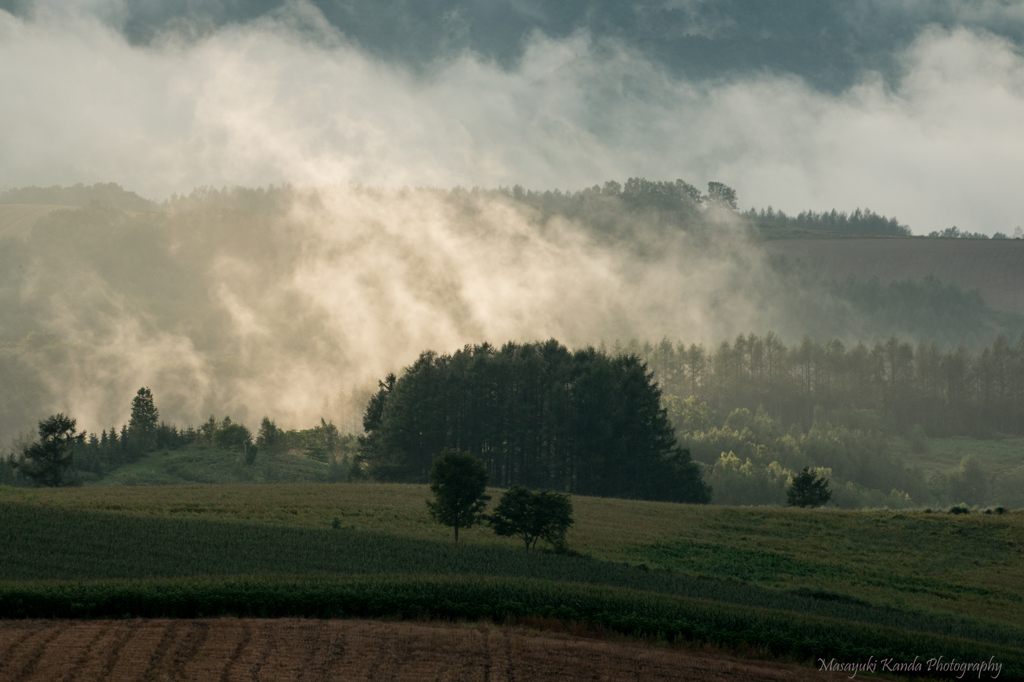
{"x": 48, "y": 461}
{"x": 531, "y": 516}
{"x": 808, "y": 490}
{"x": 458, "y": 481}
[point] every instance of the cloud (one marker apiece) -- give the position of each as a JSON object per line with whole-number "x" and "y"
{"x": 286, "y": 98}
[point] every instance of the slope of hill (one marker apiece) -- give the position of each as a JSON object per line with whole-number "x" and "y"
{"x": 17, "y": 220}
{"x": 105, "y": 194}
{"x": 785, "y": 582}
{"x": 994, "y": 267}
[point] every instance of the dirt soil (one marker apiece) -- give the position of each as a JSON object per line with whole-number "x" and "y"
{"x": 226, "y": 650}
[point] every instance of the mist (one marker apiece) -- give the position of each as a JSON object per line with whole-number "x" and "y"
{"x": 293, "y": 302}
{"x": 288, "y": 96}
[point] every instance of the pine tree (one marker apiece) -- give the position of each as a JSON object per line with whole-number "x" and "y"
{"x": 143, "y": 423}
{"x": 808, "y": 490}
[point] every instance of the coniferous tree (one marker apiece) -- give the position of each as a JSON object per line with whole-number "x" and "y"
{"x": 536, "y": 415}
{"x": 808, "y": 490}
{"x": 142, "y": 426}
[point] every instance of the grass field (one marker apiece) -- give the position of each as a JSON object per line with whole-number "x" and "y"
{"x": 209, "y": 465}
{"x": 950, "y": 575}
{"x": 996, "y": 456}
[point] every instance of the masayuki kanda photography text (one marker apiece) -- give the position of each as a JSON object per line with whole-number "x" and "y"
{"x": 935, "y": 666}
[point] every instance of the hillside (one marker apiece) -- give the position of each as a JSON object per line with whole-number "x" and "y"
{"x": 787, "y": 583}
{"x": 994, "y": 267}
{"x": 17, "y": 220}
{"x": 730, "y": 554}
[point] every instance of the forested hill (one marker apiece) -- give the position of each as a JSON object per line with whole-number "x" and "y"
{"x": 105, "y": 194}
{"x": 291, "y": 301}
{"x": 994, "y": 268}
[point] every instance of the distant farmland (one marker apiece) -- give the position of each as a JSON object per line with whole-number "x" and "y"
{"x": 994, "y": 267}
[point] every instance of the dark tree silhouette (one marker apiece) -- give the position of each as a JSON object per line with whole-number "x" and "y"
{"x": 458, "y": 481}
{"x": 48, "y": 462}
{"x": 531, "y": 516}
{"x": 536, "y": 415}
{"x": 808, "y": 490}
{"x": 142, "y": 426}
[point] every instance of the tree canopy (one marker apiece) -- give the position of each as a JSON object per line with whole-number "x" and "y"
{"x": 145, "y": 417}
{"x": 536, "y": 415}
{"x": 48, "y": 462}
{"x": 458, "y": 481}
{"x": 531, "y": 516}
{"x": 808, "y": 490}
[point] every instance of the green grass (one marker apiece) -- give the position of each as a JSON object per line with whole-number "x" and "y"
{"x": 996, "y": 456}
{"x": 946, "y": 575}
{"x": 959, "y": 565}
{"x": 210, "y": 465}
{"x": 44, "y": 543}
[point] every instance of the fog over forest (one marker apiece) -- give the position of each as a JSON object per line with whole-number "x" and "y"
{"x": 807, "y": 105}
{"x": 293, "y": 302}
{"x": 343, "y": 244}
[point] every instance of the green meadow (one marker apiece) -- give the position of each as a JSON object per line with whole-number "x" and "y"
{"x": 657, "y": 569}
{"x": 997, "y": 456}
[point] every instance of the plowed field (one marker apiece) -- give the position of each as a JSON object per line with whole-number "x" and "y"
{"x": 294, "y": 649}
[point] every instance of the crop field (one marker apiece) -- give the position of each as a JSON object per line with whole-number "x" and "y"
{"x": 253, "y": 650}
{"x": 994, "y": 267}
{"x": 784, "y": 581}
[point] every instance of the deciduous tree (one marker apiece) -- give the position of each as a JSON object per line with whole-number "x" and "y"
{"x": 458, "y": 481}
{"x": 531, "y": 516}
{"x": 47, "y": 462}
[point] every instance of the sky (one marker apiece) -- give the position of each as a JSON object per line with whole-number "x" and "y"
{"x": 912, "y": 109}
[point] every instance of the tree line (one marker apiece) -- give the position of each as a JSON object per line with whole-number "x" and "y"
{"x": 105, "y": 194}
{"x": 63, "y": 456}
{"x": 948, "y": 392}
{"x": 537, "y": 415}
{"x": 861, "y": 221}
